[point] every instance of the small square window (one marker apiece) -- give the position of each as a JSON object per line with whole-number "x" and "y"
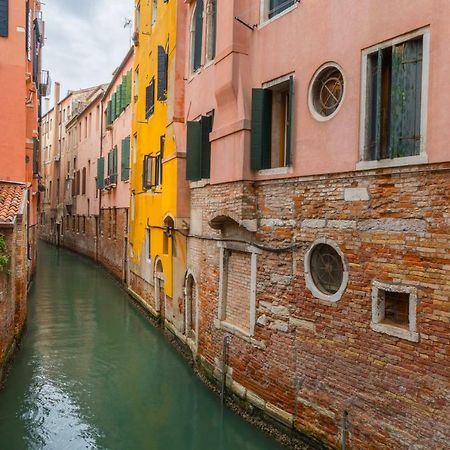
{"x": 394, "y": 310}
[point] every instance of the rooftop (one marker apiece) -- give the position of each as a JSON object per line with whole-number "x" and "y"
{"x": 11, "y": 201}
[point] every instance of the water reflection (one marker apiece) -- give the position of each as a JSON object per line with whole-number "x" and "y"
{"x": 92, "y": 373}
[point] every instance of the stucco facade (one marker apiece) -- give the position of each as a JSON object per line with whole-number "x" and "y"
{"x": 159, "y": 192}
{"x": 289, "y": 191}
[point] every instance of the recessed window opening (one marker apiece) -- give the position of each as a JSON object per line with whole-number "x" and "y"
{"x": 211, "y": 29}
{"x": 278, "y": 6}
{"x": 394, "y": 101}
{"x": 272, "y": 120}
{"x": 196, "y": 36}
{"x": 396, "y": 308}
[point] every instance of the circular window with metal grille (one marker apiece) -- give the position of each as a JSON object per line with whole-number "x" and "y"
{"x": 326, "y": 91}
{"x": 325, "y": 270}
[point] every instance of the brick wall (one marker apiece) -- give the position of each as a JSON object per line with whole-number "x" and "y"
{"x": 310, "y": 360}
{"x": 237, "y": 294}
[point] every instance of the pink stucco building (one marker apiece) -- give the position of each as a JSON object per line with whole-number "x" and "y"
{"x": 318, "y": 160}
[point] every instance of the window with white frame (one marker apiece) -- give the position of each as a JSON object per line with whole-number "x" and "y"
{"x": 237, "y": 288}
{"x": 272, "y": 8}
{"x": 394, "y": 308}
{"x": 196, "y": 36}
{"x": 395, "y": 75}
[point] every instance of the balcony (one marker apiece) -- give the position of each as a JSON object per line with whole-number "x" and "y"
{"x": 45, "y": 84}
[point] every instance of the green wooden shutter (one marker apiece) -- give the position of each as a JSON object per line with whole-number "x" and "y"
{"x": 162, "y": 74}
{"x": 290, "y": 122}
{"x": 127, "y": 88}
{"x": 101, "y": 173}
{"x": 4, "y": 18}
{"x": 117, "y": 103}
{"x": 125, "y": 160}
{"x": 194, "y": 151}
{"x": 109, "y": 113}
{"x": 113, "y": 107}
{"x": 206, "y": 123}
{"x": 114, "y": 165}
{"x": 261, "y": 129}
{"x": 406, "y": 98}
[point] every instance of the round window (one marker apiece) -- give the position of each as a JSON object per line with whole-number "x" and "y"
{"x": 327, "y": 270}
{"x": 327, "y": 91}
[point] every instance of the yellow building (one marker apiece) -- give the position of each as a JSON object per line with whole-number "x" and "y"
{"x": 159, "y": 193}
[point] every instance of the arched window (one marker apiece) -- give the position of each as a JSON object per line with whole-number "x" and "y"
{"x": 191, "y": 307}
{"x": 211, "y": 26}
{"x": 197, "y": 36}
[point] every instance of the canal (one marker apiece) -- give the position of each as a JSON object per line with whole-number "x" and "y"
{"x": 93, "y": 373}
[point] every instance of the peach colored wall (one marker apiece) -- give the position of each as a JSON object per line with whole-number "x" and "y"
{"x": 88, "y": 150}
{"x": 119, "y": 197}
{"x": 299, "y": 42}
{"x": 12, "y": 104}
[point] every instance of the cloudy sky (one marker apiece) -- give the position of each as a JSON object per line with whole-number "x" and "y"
{"x": 85, "y": 40}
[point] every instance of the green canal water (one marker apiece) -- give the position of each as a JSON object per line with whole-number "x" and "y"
{"x": 92, "y": 373}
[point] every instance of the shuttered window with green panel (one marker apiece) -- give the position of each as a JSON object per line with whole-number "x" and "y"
{"x": 101, "y": 173}
{"x": 125, "y": 160}
{"x": 394, "y": 105}
{"x": 4, "y": 14}
{"x": 198, "y": 164}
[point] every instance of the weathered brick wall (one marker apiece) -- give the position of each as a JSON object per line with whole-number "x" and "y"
{"x": 13, "y": 288}
{"x": 312, "y": 359}
{"x": 111, "y": 246}
{"x": 237, "y": 296}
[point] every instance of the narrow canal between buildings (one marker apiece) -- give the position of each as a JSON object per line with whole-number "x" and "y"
{"x": 93, "y": 373}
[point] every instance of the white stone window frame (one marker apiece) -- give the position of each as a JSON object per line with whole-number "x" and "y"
{"x": 317, "y": 293}
{"x": 264, "y": 12}
{"x": 422, "y": 158}
{"x": 159, "y": 278}
{"x": 221, "y": 322}
{"x": 317, "y": 73}
{"x": 378, "y": 305}
{"x": 192, "y": 343}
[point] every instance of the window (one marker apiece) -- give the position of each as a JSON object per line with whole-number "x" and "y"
{"x": 149, "y": 243}
{"x": 237, "y": 294}
{"x": 326, "y": 92}
{"x": 83, "y": 181}
{"x": 211, "y": 27}
{"x": 274, "y": 7}
{"x": 112, "y": 166}
{"x": 159, "y": 162}
{"x": 394, "y": 310}
{"x": 154, "y": 12}
{"x": 4, "y": 18}
{"x": 150, "y": 99}
{"x": 191, "y": 307}
{"x": 393, "y": 100}
{"x": 199, "y": 148}
{"x": 196, "y": 36}
{"x": 326, "y": 273}
{"x": 125, "y": 160}
{"x": 78, "y": 183}
{"x": 136, "y": 84}
{"x": 162, "y": 73}
{"x": 101, "y": 173}
{"x": 272, "y": 125}
{"x": 147, "y": 177}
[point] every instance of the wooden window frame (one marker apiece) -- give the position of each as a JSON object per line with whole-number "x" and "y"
{"x": 422, "y": 158}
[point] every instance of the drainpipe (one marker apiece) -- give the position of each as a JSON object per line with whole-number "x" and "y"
{"x": 98, "y": 227}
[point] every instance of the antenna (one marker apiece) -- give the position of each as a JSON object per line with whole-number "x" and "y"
{"x": 128, "y": 24}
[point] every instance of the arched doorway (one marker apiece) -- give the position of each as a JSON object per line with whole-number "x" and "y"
{"x": 191, "y": 296}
